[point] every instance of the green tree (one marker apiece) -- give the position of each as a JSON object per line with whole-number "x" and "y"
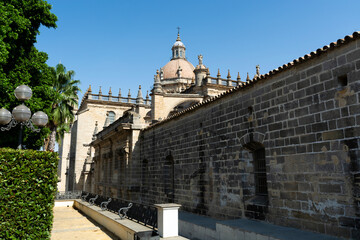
{"x": 66, "y": 99}
{"x": 22, "y": 63}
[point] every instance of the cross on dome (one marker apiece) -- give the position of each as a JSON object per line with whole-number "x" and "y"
{"x": 178, "y": 49}
{"x": 178, "y": 37}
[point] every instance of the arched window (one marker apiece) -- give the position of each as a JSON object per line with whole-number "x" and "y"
{"x": 257, "y": 198}
{"x": 260, "y": 172}
{"x": 169, "y": 179}
{"x": 111, "y": 116}
{"x": 176, "y": 53}
{"x": 182, "y": 106}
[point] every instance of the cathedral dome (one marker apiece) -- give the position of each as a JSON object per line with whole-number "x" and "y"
{"x": 171, "y": 69}
{"x": 178, "y": 44}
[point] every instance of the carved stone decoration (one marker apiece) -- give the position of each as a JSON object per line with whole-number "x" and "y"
{"x": 200, "y": 57}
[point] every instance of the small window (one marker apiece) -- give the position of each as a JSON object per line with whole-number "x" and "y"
{"x": 342, "y": 81}
{"x": 168, "y": 177}
{"x": 181, "y": 53}
{"x": 260, "y": 172}
{"x": 111, "y": 117}
{"x": 176, "y": 53}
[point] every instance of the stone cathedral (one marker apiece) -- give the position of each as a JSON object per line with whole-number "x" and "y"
{"x": 282, "y": 147}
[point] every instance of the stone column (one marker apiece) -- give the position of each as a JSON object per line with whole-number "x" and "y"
{"x": 168, "y": 218}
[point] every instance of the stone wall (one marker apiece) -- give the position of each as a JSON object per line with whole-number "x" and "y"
{"x": 64, "y": 157}
{"x": 82, "y": 133}
{"x": 306, "y": 118}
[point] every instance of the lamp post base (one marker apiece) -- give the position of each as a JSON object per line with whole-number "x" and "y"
{"x": 20, "y": 137}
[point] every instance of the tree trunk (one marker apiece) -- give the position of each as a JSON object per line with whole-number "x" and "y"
{"x": 51, "y": 146}
{"x": 46, "y": 143}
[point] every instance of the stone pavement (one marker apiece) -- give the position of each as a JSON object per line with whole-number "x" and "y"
{"x": 69, "y": 224}
{"x": 195, "y": 226}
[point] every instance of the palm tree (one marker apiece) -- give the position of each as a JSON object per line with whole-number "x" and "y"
{"x": 66, "y": 100}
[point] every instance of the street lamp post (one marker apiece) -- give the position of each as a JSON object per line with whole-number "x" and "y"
{"x": 21, "y": 114}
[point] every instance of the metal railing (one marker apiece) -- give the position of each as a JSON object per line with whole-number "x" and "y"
{"x": 138, "y": 212}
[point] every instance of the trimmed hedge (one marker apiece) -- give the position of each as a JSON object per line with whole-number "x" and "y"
{"x": 28, "y": 181}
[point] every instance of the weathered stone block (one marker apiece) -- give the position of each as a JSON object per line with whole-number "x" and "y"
{"x": 347, "y": 222}
{"x": 299, "y": 94}
{"x": 281, "y": 117}
{"x": 330, "y": 188}
{"x": 352, "y": 132}
{"x": 321, "y": 147}
{"x": 329, "y": 115}
{"x": 329, "y": 64}
{"x": 275, "y": 126}
{"x": 306, "y": 101}
{"x": 314, "y": 226}
{"x": 294, "y": 140}
{"x": 325, "y": 76}
{"x": 306, "y": 120}
{"x": 292, "y": 204}
{"x": 305, "y": 187}
{"x": 301, "y": 149}
{"x": 288, "y": 195}
{"x": 354, "y": 109}
{"x": 329, "y": 104}
{"x": 342, "y": 70}
{"x": 301, "y": 112}
{"x": 288, "y": 150}
{"x": 316, "y": 107}
{"x": 353, "y": 77}
{"x": 308, "y": 138}
{"x": 353, "y": 55}
{"x": 331, "y": 84}
{"x": 291, "y": 186}
{"x": 319, "y": 127}
{"x": 287, "y": 132}
{"x": 303, "y": 84}
{"x": 341, "y": 60}
{"x": 338, "y": 231}
{"x": 327, "y": 95}
{"x": 314, "y": 70}
{"x": 355, "y": 234}
{"x": 324, "y": 167}
{"x": 332, "y": 124}
{"x": 277, "y": 84}
{"x": 345, "y": 122}
{"x": 314, "y": 80}
{"x": 344, "y": 112}
{"x": 314, "y": 89}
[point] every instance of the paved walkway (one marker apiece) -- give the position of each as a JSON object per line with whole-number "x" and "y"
{"x": 69, "y": 224}
{"x": 241, "y": 228}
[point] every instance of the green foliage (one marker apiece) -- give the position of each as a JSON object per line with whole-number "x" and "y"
{"x": 27, "y": 190}
{"x": 66, "y": 100}
{"x": 22, "y": 63}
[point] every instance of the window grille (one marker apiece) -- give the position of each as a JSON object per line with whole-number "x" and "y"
{"x": 260, "y": 172}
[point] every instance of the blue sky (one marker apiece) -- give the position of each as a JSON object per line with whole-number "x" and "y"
{"x": 120, "y": 44}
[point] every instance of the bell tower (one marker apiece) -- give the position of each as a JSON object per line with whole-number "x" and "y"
{"x": 178, "y": 49}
